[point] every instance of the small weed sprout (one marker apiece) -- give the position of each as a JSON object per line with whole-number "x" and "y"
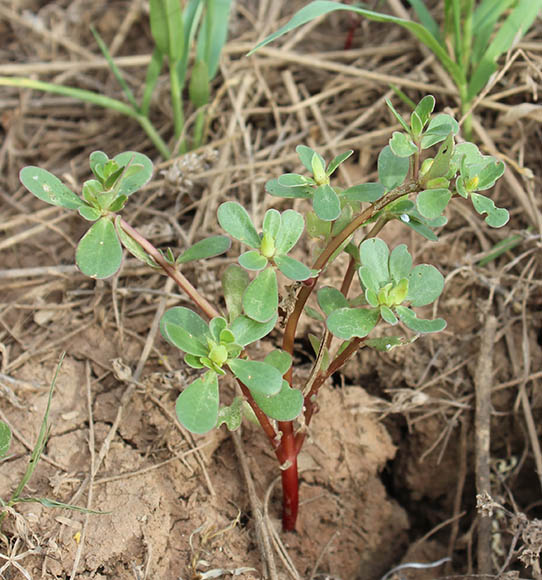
{"x": 419, "y": 172}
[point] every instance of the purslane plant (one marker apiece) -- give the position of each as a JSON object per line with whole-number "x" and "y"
{"x": 475, "y": 34}
{"x": 419, "y": 172}
{"x": 203, "y": 23}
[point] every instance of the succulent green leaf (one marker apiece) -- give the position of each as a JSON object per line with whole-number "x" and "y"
{"x": 234, "y": 283}
{"x": 374, "y": 255}
{"x": 419, "y": 227}
{"x": 253, "y": 260}
{"x": 400, "y": 263}
{"x": 416, "y": 125}
{"x": 367, "y": 192}
{"x": 234, "y": 219}
{"x": 207, "y": 248}
{"x": 5, "y": 438}
{"x": 490, "y": 172}
{"x": 48, "y": 188}
{"x": 438, "y": 129}
{"x": 425, "y": 284}
{"x": 319, "y": 170}
{"x": 346, "y": 323}
{"x": 496, "y": 217}
{"x": 279, "y": 359}
{"x": 131, "y": 182}
{"x": 273, "y": 187}
{"x": 247, "y": 331}
{"x": 398, "y": 116}
{"x": 313, "y": 313}
{"x": 193, "y": 361}
{"x": 291, "y": 228}
{"x": 257, "y": 376}
{"x": 91, "y": 214}
{"x": 337, "y": 161}
{"x": 186, "y": 330}
{"x": 260, "y": 300}
{"x": 386, "y": 343}
{"x": 118, "y": 203}
{"x": 424, "y": 108}
{"x": 99, "y": 253}
{"x": 96, "y": 160}
{"x": 388, "y": 316}
{"x": 216, "y": 326}
{"x": 284, "y": 406}
{"x": 132, "y": 246}
{"x": 392, "y": 170}
{"x": 306, "y": 154}
{"x": 292, "y": 268}
{"x": 441, "y": 163}
{"x": 419, "y": 325}
{"x": 330, "y": 299}
{"x": 432, "y": 202}
{"x": 271, "y": 223}
{"x": 197, "y": 405}
{"x": 402, "y": 145}
{"x": 231, "y": 415}
{"x": 294, "y": 180}
{"x": 326, "y": 203}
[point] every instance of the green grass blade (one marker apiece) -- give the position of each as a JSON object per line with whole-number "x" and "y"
{"x": 191, "y": 19}
{"x": 321, "y": 7}
{"x": 153, "y": 72}
{"x": 425, "y": 18}
{"x": 515, "y": 26}
{"x": 484, "y": 21}
{"x": 213, "y": 33}
{"x": 40, "y": 442}
{"x": 456, "y": 29}
{"x": 115, "y": 69}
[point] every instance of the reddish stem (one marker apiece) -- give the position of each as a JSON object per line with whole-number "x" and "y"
{"x": 287, "y": 456}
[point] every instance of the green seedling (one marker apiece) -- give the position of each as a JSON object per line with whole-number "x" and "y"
{"x": 203, "y": 23}
{"x": 474, "y": 36}
{"x": 419, "y": 172}
{"x": 5, "y": 442}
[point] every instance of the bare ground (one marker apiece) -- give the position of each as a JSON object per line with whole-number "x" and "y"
{"x": 388, "y": 474}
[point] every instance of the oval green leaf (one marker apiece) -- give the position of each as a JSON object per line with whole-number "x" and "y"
{"x": 284, "y": 406}
{"x": 330, "y": 299}
{"x": 326, "y": 203}
{"x": 234, "y": 283}
{"x": 432, "y": 202}
{"x": 99, "y": 253}
{"x": 253, "y": 260}
{"x": 257, "y": 376}
{"x": 247, "y": 331}
{"x": 186, "y": 330}
{"x": 207, "y": 248}
{"x": 425, "y": 284}
{"x": 292, "y": 268}
{"x": 291, "y": 228}
{"x": 234, "y": 219}
{"x": 197, "y": 405}
{"x": 419, "y": 325}
{"x": 260, "y": 300}
{"x": 348, "y": 322}
{"x": 400, "y": 262}
{"x": 401, "y": 145}
{"x": 496, "y": 217}
{"x": 374, "y": 255}
{"x": 48, "y": 188}
{"x": 392, "y": 170}
{"x": 133, "y": 181}
{"x": 367, "y": 192}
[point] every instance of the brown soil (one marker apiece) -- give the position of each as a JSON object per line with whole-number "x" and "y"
{"x": 388, "y": 470}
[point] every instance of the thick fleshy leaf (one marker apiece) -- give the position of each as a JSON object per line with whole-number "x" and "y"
{"x": 294, "y": 180}
{"x": 99, "y": 253}
{"x": 271, "y": 222}
{"x": 234, "y": 219}
{"x": 260, "y": 300}
{"x": 306, "y": 154}
{"x": 492, "y": 170}
{"x": 386, "y": 343}
{"x": 419, "y": 325}
{"x": 402, "y": 145}
{"x": 284, "y": 406}
{"x": 367, "y": 192}
{"x": 432, "y": 202}
{"x": 398, "y": 116}
{"x": 291, "y": 228}
{"x": 5, "y": 438}
{"x": 133, "y": 181}
{"x": 216, "y": 326}
{"x": 424, "y": 108}
{"x": 207, "y": 248}
{"x": 374, "y": 254}
{"x": 388, "y": 316}
{"x": 132, "y": 246}
{"x": 392, "y": 170}
{"x": 88, "y": 213}
{"x": 313, "y": 313}
{"x": 257, "y": 376}
{"x": 197, "y": 405}
{"x": 440, "y": 166}
{"x": 496, "y": 217}
{"x": 193, "y": 361}
{"x": 438, "y": 129}
{"x": 186, "y": 330}
{"x": 48, "y": 188}
{"x": 336, "y": 161}
{"x": 231, "y": 415}
{"x": 416, "y": 125}
{"x": 234, "y": 283}
{"x": 279, "y": 359}
{"x": 273, "y": 187}
{"x": 292, "y": 268}
{"x": 253, "y": 260}
{"x": 96, "y": 159}
{"x": 400, "y": 263}
{"x": 330, "y": 299}
{"x": 346, "y": 323}
{"x": 326, "y": 203}
{"x": 247, "y": 331}
{"x": 425, "y": 285}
